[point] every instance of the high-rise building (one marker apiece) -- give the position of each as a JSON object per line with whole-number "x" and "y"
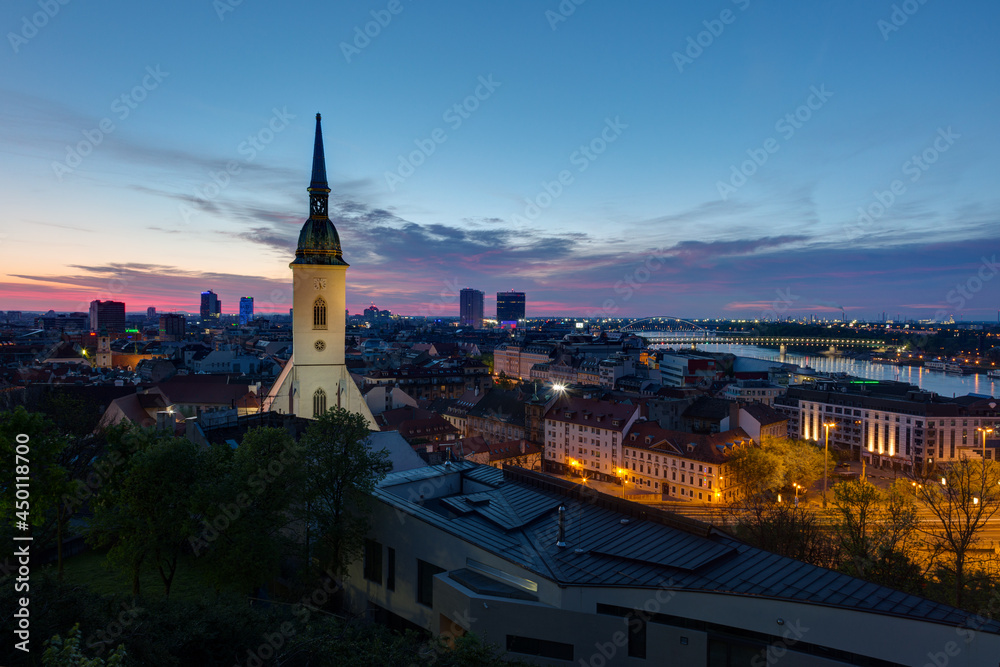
{"x": 316, "y": 378}
{"x": 246, "y": 310}
{"x": 471, "y": 308}
{"x": 211, "y": 306}
{"x": 172, "y": 326}
{"x": 151, "y": 312}
{"x": 107, "y": 315}
{"x": 510, "y": 308}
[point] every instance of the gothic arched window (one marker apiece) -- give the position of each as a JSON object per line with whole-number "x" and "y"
{"x": 319, "y": 313}
{"x": 319, "y": 403}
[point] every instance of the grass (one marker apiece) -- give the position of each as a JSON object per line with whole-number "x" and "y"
{"x": 90, "y": 569}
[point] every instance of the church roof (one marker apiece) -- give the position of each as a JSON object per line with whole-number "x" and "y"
{"x": 319, "y": 242}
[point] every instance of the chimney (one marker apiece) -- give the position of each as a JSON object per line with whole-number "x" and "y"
{"x": 164, "y": 421}
{"x": 522, "y": 446}
{"x": 561, "y": 542}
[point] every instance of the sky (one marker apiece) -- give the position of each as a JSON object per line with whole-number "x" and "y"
{"x": 729, "y": 158}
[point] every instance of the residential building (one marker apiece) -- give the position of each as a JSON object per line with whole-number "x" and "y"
{"x": 520, "y": 453}
{"x": 679, "y": 465}
{"x": 584, "y": 436}
{"x": 498, "y": 416}
{"x": 761, "y": 421}
{"x": 516, "y": 361}
{"x": 687, "y": 370}
{"x": 381, "y": 398}
{"x": 471, "y": 308}
{"x": 172, "y": 327}
{"x": 753, "y": 391}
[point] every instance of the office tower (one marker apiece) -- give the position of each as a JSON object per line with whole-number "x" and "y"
{"x": 211, "y": 306}
{"x": 107, "y": 315}
{"x": 471, "y": 308}
{"x": 246, "y": 310}
{"x": 510, "y": 308}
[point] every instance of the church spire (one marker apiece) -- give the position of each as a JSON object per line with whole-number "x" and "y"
{"x": 319, "y": 190}
{"x": 319, "y": 242}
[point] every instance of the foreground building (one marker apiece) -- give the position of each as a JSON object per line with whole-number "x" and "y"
{"x": 556, "y": 573}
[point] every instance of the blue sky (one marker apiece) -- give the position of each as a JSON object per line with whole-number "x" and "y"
{"x": 710, "y": 159}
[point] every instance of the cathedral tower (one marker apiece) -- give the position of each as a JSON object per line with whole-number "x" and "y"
{"x": 315, "y": 378}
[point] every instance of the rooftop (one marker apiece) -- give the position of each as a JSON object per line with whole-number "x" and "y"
{"x": 612, "y": 542}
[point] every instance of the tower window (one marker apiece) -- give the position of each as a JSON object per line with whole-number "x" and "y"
{"x": 319, "y": 403}
{"x": 319, "y": 313}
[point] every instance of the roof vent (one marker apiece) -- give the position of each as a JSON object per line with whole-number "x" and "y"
{"x": 561, "y": 541}
{"x": 623, "y": 522}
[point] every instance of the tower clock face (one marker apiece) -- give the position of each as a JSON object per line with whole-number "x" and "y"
{"x": 319, "y": 345}
{"x": 319, "y": 283}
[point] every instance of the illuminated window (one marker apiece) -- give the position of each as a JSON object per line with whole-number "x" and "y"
{"x": 319, "y": 313}
{"x": 319, "y": 403}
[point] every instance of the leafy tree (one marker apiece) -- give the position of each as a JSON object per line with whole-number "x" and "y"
{"x": 48, "y": 481}
{"x": 341, "y": 473}
{"x": 777, "y": 463}
{"x": 803, "y": 461}
{"x": 873, "y": 531}
{"x": 245, "y": 516}
{"x": 145, "y": 512}
{"x": 963, "y": 504}
{"x": 67, "y": 653}
{"x": 756, "y": 470}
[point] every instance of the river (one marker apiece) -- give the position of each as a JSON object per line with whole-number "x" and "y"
{"x": 945, "y": 384}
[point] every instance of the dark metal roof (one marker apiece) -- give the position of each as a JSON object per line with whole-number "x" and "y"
{"x": 612, "y": 542}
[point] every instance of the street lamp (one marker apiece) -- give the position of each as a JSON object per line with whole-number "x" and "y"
{"x": 985, "y": 431}
{"x": 797, "y": 487}
{"x": 826, "y": 456}
{"x": 621, "y": 473}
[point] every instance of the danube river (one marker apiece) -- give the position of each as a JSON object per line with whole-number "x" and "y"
{"x": 945, "y": 384}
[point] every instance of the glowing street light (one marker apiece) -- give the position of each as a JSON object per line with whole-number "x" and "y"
{"x": 621, "y": 473}
{"x": 826, "y": 456}
{"x": 985, "y": 431}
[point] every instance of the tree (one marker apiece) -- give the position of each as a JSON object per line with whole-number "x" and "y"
{"x": 873, "y": 531}
{"x": 756, "y": 471}
{"x": 775, "y": 464}
{"x": 803, "y": 461}
{"x": 962, "y": 501}
{"x": 47, "y": 481}
{"x": 341, "y": 473}
{"x": 786, "y": 530}
{"x": 246, "y": 514}
{"x": 67, "y": 653}
{"x": 145, "y": 512}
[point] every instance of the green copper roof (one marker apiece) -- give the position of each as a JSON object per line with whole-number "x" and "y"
{"x": 319, "y": 242}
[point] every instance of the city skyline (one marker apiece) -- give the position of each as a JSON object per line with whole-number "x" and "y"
{"x": 728, "y": 161}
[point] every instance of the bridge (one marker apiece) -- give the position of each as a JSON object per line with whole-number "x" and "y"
{"x": 749, "y": 338}
{"x": 670, "y": 330}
